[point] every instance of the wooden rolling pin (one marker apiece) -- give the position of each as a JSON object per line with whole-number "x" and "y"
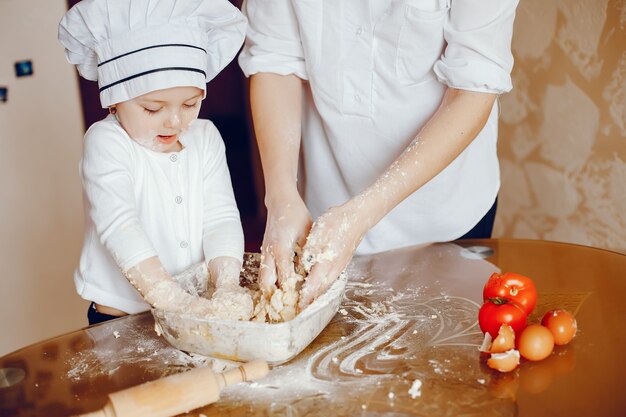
{"x": 176, "y": 394}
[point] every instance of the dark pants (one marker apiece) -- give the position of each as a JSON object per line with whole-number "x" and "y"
{"x": 95, "y": 317}
{"x": 484, "y": 227}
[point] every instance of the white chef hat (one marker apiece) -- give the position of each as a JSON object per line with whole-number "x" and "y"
{"x": 134, "y": 47}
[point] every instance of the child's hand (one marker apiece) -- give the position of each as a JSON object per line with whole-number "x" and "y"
{"x": 224, "y": 271}
{"x": 194, "y": 280}
{"x": 167, "y": 295}
{"x": 229, "y": 301}
{"x": 198, "y": 307}
{"x": 232, "y": 303}
{"x": 161, "y": 291}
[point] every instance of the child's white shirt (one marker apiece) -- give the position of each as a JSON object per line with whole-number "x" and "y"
{"x": 139, "y": 203}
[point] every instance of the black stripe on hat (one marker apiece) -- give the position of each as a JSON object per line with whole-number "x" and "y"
{"x": 151, "y": 47}
{"x": 152, "y": 71}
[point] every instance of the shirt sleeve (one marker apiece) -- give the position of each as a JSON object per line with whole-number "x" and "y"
{"x": 273, "y": 41}
{"x": 222, "y": 234}
{"x": 478, "y": 54}
{"x": 107, "y": 175}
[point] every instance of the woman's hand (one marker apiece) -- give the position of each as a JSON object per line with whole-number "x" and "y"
{"x": 288, "y": 223}
{"x": 330, "y": 245}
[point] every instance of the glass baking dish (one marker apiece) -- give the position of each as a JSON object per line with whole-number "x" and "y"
{"x": 237, "y": 340}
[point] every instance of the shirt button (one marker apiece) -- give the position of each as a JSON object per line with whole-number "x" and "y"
{"x": 359, "y": 31}
{"x": 184, "y": 244}
{"x": 173, "y": 157}
{"x": 178, "y": 199}
{"x": 357, "y": 98}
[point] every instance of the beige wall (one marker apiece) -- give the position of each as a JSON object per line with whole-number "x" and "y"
{"x": 563, "y": 128}
{"x": 41, "y": 219}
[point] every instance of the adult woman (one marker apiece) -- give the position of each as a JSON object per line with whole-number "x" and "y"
{"x": 394, "y": 104}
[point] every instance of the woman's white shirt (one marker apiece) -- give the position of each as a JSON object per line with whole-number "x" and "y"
{"x": 377, "y": 71}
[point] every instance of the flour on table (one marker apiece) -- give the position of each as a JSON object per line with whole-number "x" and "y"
{"x": 416, "y": 389}
{"x": 135, "y": 345}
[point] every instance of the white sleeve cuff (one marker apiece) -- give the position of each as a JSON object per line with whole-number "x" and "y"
{"x": 273, "y": 41}
{"x": 253, "y": 60}
{"x": 473, "y": 75}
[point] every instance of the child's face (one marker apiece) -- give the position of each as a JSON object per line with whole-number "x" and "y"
{"x": 155, "y": 120}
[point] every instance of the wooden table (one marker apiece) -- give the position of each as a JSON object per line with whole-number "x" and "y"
{"x": 408, "y": 315}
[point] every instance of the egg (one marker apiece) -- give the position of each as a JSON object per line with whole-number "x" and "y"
{"x": 505, "y": 361}
{"x": 535, "y": 342}
{"x": 562, "y": 325}
{"x": 505, "y": 340}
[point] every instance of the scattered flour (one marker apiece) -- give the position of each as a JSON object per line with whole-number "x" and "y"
{"x": 381, "y": 331}
{"x": 415, "y": 390}
{"x": 389, "y": 330}
{"x": 133, "y": 344}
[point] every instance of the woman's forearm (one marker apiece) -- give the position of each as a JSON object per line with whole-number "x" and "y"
{"x": 276, "y": 102}
{"x": 456, "y": 123}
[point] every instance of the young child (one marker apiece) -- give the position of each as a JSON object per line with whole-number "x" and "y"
{"x": 158, "y": 195}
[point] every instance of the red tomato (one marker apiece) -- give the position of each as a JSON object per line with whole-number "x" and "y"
{"x": 498, "y": 311}
{"x": 514, "y": 287}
